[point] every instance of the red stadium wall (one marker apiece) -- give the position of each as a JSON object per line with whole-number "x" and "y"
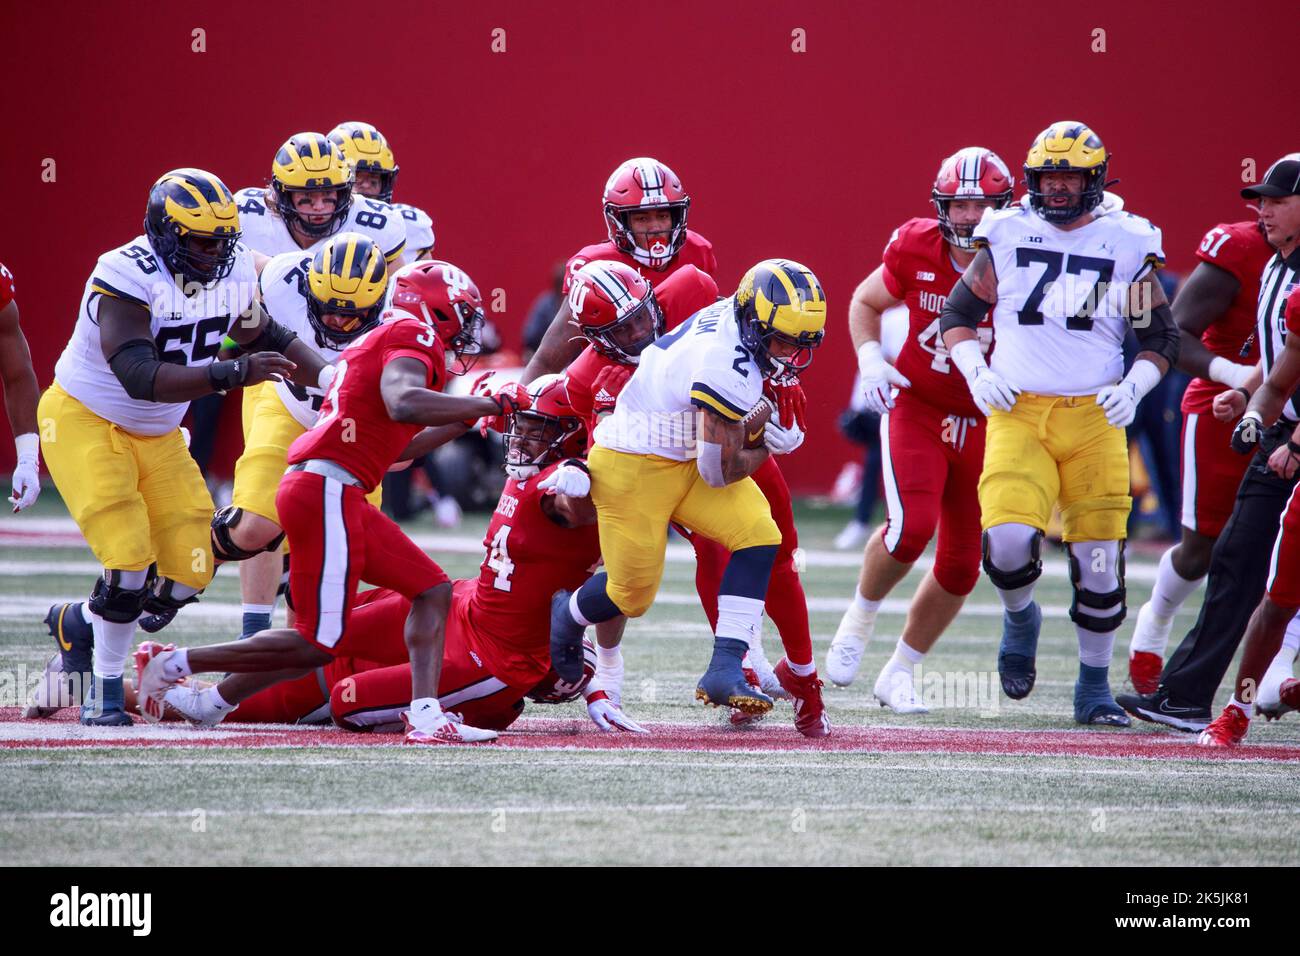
{"x": 814, "y": 155}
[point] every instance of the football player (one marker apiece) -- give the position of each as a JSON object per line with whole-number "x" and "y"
{"x": 621, "y": 314}
{"x": 330, "y": 298}
{"x": 376, "y": 174}
{"x": 1215, "y": 312}
{"x": 675, "y": 449}
{"x": 386, "y": 391}
{"x": 152, "y": 320}
{"x": 1065, "y": 272}
{"x": 931, "y": 434}
{"x": 645, "y": 210}
{"x": 1264, "y": 633}
{"x": 21, "y": 395}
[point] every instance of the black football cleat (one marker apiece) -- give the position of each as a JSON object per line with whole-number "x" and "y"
{"x": 1162, "y": 708}
{"x": 567, "y": 656}
{"x": 76, "y": 638}
{"x": 722, "y": 688}
{"x": 1018, "y": 651}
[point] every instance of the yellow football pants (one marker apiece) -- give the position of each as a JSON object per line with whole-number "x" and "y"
{"x": 636, "y": 496}
{"x": 137, "y": 499}
{"x": 1050, "y": 448}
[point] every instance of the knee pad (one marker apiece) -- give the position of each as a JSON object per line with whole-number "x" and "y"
{"x": 1019, "y": 577}
{"x": 1096, "y": 599}
{"x": 115, "y": 603}
{"x": 224, "y": 547}
{"x": 161, "y": 600}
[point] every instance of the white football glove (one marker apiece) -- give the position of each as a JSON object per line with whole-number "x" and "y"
{"x": 1120, "y": 402}
{"x": 607, "y": 715}
{"x": 27, "y": 480}
{"x": 567, "y": 480}
{"x": 990, "y": 390}
{"x": 878, "y": 378}
{"x": 782, "y": 441}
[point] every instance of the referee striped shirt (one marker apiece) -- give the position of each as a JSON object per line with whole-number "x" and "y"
{"x": 1280, "y": 276}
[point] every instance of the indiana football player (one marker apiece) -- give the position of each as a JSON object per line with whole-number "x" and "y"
{"x": 931, "y": 433}
{"x": 386, "y": 391}
{"x": 152, "y": 320}
{"x": 376, "y": 172}
{"x": 645, "y": 209}
{"x": 674, "y": 449}
{"x": 21, "y": 395}
{"x": 1215, "y": 312}
{"x": 1065, "y": 272}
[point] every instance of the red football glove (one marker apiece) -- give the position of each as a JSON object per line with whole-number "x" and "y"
{"x": 607, "y": 386}
{"x": 791, "y": 403}
{"x": 511, "y": 397}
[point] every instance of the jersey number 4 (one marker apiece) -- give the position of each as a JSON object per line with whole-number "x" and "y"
{"x": 498, "y": 559}
{"x": 1081, "y": 321}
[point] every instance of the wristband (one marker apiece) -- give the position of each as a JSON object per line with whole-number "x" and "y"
{"x": 28, "y": 446}
{"x": 576, "y": 463}
{"x": 1292, "y": 447}
{"x": 1244, "y": 391}
{"x": 223, "y": 376}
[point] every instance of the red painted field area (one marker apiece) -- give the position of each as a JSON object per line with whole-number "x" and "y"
{"x": 62, "y": 731}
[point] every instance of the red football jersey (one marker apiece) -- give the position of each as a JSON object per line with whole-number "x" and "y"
{"x": 696, "y": 251}
{"x": 529, "y": 558}
{"x": 1241, "y": 249}
{"x": 919, "y": 270}
{"x": 1292, "y": 315}
{"x": 680, "y": 296}
{"x": 6, "y": 286}
{"x": 353, "y": 428}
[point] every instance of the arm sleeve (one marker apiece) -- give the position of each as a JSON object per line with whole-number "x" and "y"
{"x": 963, "y": 309}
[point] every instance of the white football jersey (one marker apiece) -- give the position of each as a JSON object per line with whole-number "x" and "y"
{"x": 265, "y": 232}
{"x": 1060, "y": 319}
{"x": 187, "y": 329}
{"x": 700, "y": 364}
{"x": 419, "y": 230}
{"x": 283, "y": 284}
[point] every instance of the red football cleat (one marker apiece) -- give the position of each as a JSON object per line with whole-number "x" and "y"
{"x": 1144, "y": 671}
{"x": 809, "y": 711}
{"x": 1227, "y": 730}
{"x": 738, "y": 717}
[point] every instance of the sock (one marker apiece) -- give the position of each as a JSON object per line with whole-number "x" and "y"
{"x": 1095, "y": 649}
{"x": 739, "y": 618}
{"x": 904, "y": 657}
{"x": 112, "y": 645}
{"x": 1171, "y": 589}
{"x": 865, "y": 605}
{"x": 801, "y": 670}
{"x": 217, "y": 701}
{"x": 591, "y": 604}
{"x": 177, "y": 665}
{"x": 1092, "y": 674}
{"x": 1018, "y": 600}
{"x": 257, "y": 617}
{"x": 424, "y": 711}
{"x": 1246, "y": 709}
{"x": 1291, "y": 639}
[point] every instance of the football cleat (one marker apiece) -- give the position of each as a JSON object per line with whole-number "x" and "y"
{"x": 1093, "y": 703}
{"x": 850, "y": 641}
{"x": 76, "y": 638}
{"x": 192, "y": 703}
{"x": 726, "y": 687}
{"x": 1227, "y": 730}
{"x": 1161, "y": 708}
{"x": 566, "y": 640}
{"x": 1018, "y": 650}
{"x": 809, "y": 709}
{"x": 445, "y": 729}
{"x": 151, "y": 681}
{"x": 896, "y": 689}
{"x": 1144, "y": 671}
{"x": 738, "y": 717}
{"x": 1276, "y": 700}
{"x": 1146, "y": 649}
{"x": 52, "y": 693}
{"x": 105, "y": 704}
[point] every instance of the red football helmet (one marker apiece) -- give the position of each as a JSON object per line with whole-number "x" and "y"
{"x": 550, "y": 431}
{"x": 972, "y": 172}
{"x": 551, "y": 690}
{"x": 616, "y": 309}
{"x": 448, "y": 301}
{"x": 645, "y": 184}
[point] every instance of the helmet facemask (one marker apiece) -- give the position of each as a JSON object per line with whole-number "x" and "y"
{"x": 194, "y": 266}
{"x": 535, "y": 440}
{"x": 1094, "y": 187}
{"x": 289, "y": 212}
{"x": 961, "y": 236}
{"x": 328, "y": 337}
{"x": 467, "y": 344}
{"x": 624, "y": 339}
{"x": 618, "y": 219}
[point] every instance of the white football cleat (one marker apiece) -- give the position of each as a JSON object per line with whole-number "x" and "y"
{"x": 51, "y": 693}
{"x": 1269, "y": 702}
{"x": 850, "y": 641}
{"x": 444, "y": 729}
{"x": 853, "y": 536}
{"x": 151, "y": 680}
{"x": 195, "y": 705}
{"x": 896, "y": 689}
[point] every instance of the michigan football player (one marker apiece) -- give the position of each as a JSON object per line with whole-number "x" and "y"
{"x": 376, "y": 174}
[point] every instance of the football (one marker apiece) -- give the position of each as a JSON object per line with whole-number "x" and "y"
{"x": 755, "y": 423}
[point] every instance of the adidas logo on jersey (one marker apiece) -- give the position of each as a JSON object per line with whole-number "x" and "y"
{"x": 925, "y": 276}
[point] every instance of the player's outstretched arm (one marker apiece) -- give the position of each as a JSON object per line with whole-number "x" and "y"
{"x": 1202, "y": 301}
{"x": 1266, "y": 404}
{"x": 870, "y": 300}
{"x": 258, "y": 332}
{"x": 408, "y": 399}
{"x": 561, "y": 344}
{"x": 722, "y": 457}
{"x": 21, "y": 391}
{"x": 132, "y": 354}
{"x": 431, "y": 438}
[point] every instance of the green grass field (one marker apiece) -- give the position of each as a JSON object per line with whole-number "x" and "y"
{"x": 571, "y": 802}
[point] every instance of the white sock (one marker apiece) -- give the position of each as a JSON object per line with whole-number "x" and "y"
{"x": 865, "y": 605}
{"x": 739, "y": 618}
{"x": 1171, "y": 588}
{"x": 177, "y": 665}
{"x": 424, "y": 711}
{"x": 1095, "y": 649}
{"x": 112, "y": 645}
{"x": 1246, "y": 709}
{"x": 801, "y": 670}
{"x": 904, "y": 657}
{"x": 1291, "y": 639}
